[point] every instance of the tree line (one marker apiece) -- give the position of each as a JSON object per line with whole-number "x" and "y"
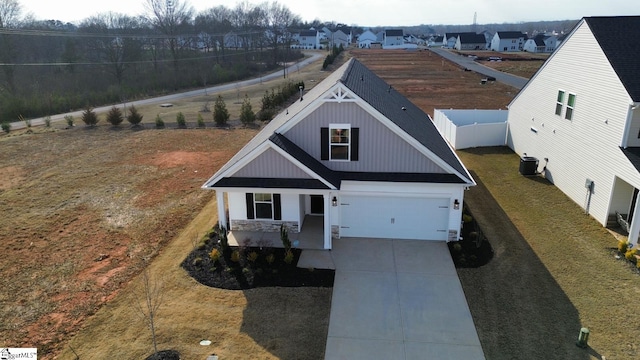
{"x": 49, "y": 67}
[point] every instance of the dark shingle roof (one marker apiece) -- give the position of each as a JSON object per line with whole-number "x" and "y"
{"x": 394, "y": 32}
{"x": 510, "y": 34}
{"x": 472, "y": 38}
{"x": 308, "y": 33}
{"x": 633, "y": 154}
{"x": 270, "y": 183}
{"x": 302, "y": 156}
{"x": 617, "y": 36}
{"x": 397, "y": 108}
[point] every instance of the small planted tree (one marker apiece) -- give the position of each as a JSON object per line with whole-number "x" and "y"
{"x": 89, "y": 117}
{"x": 148, "y": 301}
{"x": 159, "y": 122}
{"x": 200, "y": 121}
{"x": 134, "y": 117}
{"x": 47, "y": 121}
{"x": 247, "y": 116}
{"x": 114, "y": 116}
{"x": 6, "y": 126}
{"x": 220, "y": 112}
{"x": 181, "y": 120}
{"x": 70, "y": 120}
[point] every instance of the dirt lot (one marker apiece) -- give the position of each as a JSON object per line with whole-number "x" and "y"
{"x": 86, "y": 209}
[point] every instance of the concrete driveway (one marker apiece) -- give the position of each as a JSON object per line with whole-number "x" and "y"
{"x": 398, "y": 299}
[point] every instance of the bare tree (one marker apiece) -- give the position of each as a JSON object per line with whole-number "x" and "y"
{"x": 169, "y": 17}
{"x": 148, "y": 301}
{"x": 279, "y": 21}
{"x": 10, "y": 11}
{"x": 215, "y": 23}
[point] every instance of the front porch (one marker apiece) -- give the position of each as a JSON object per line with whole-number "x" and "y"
{"x": 310, "y": 237}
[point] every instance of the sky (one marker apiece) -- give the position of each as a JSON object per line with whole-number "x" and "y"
{"x": 367, "y": 13}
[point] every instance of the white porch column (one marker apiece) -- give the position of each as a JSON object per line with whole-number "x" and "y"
{"x": 328, "y": 209}
{"x": 222, "y": 213}
{"x": 634, "y": 228}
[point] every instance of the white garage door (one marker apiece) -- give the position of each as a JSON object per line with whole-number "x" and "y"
{"x": 394, "y": 217}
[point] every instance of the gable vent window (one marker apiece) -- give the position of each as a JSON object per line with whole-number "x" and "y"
{"x": 263, "y": 206}
{"x": 559, "y": 102}
{"x": 571, "y": 103}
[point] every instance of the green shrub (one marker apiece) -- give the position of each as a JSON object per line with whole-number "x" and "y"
{"x": 6, "y": 126}
{"x": 270, "y": 258}
{"x": 266, "y": 114}
{"x": 247, "y": 116}
{"x": 200, "y": 121}
{"x": 252, "y": 256}
{"x": 114, "y": 116}
{"x": 235, "y": 256}
{"x": 159, "y": 122}
{"x": 70, "y": 120}
{"x": 288, "y": 257}
{"x": 47, "y": 121}
{"x": 180, "y": 119}
{"x": 27, "y": 122}
{"x": 89, "y": 117}
{"x": 197, "y": 261}
{"x": 467, "y": 218}
{"x": 284, "y": 236}
{"x": 202, "y": 246}
{"x": 220, "y": 112}
{"x": 623, "y": 245}
{"x": 134, "y": 118}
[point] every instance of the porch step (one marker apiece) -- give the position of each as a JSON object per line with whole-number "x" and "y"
{"x": 612, "y": 222}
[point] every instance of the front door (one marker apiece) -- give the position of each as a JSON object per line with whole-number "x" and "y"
{"x": 317, "y": 204}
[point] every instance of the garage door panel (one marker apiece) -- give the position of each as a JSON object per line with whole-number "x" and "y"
{"x": 394, "y": 217}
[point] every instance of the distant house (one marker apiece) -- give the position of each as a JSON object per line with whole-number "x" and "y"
{"x": 470, "y": 41}
{"x": 488, "y": 36}
{"x": 449, "y": 40}
{"x": 393, "y": 38}
{"x": 579, "y": 116}
{"x": 338, "y": 38}
{"x": 505, "y": 41}
{"x": 435, "y": 41}
{"x": 541, "y": 43}
{"x": 366, "y": 39}
{"x": 309, "y": 39}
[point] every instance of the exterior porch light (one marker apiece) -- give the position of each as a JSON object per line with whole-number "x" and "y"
{"x": 456, "y": 204}
{"x": 334, "y": 201}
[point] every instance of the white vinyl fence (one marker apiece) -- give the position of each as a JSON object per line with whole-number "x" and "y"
{"x": 472, "y": 128}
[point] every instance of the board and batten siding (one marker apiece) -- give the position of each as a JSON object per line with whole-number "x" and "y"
{"x": 586, "y": 146}
{"x": 380, "y": 149}
{"x": 270, "y": 164}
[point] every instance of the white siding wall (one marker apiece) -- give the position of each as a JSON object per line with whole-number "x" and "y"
{"x": 289, "y": 203}
{"x": 586, "y": 146}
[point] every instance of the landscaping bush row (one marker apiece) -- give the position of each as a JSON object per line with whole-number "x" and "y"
{"x": 335, "y": 51}
{"x": 274, "y": 99}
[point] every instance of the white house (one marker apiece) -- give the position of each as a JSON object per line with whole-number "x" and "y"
{"x": 435, "y": 41}
{"x": 579, "y": 117}
{"x": 393, "y": 38}
{"x": 541, "y": 43}
{"x": 505, "y": 41}
{"x": 354, "y": 153}
{"x": 449, "y": 40}
{"x": 470, "y": 41}
{"x": 366, "y": 39}
{"x": 338, "y": 38}
{"x": 309, "y": 39}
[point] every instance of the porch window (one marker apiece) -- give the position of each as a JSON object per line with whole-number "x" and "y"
{"x": 571, "y": 102}
{"x": 263, "y": 206}
{"x": 559, "y": 102}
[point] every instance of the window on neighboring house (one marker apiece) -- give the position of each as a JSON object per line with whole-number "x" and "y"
{"x": 559, "y": 102}
{"x": 339, "y": 142}
{"x": 263, "y": 206}
{"x": 571, "y": 102}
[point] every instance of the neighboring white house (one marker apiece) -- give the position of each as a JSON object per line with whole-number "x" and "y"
{"x": 393, "y": 38}
{"x": 449, "y": 40}
{"x": 470, "y": 41}
{"x": 579, "y": 116}
{"x": 366, "y": 39}
{"x": 541, "y": 43}
{"x": 472, "y": 128}
{"x": 338, "y": 38}
{"x": 353, "y": 152}
{"x": 435, "y": 41}
{"x": 309, "y": 39}
{"x": 505, "y": 41}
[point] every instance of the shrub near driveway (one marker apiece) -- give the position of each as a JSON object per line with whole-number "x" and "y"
{"x": 552, "y": 273}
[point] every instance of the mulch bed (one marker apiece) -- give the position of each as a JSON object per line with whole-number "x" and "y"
{"x": 252, "y": 267}
{"x": 164, "y": 355}
{"x": 474, "y": 250}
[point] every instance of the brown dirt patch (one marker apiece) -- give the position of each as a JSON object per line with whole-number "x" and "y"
{"x": 10, "y": 176}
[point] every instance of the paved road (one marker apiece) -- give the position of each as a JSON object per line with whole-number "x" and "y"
{"x": 466, "y": 62}
{"x": 174, "y": 97}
